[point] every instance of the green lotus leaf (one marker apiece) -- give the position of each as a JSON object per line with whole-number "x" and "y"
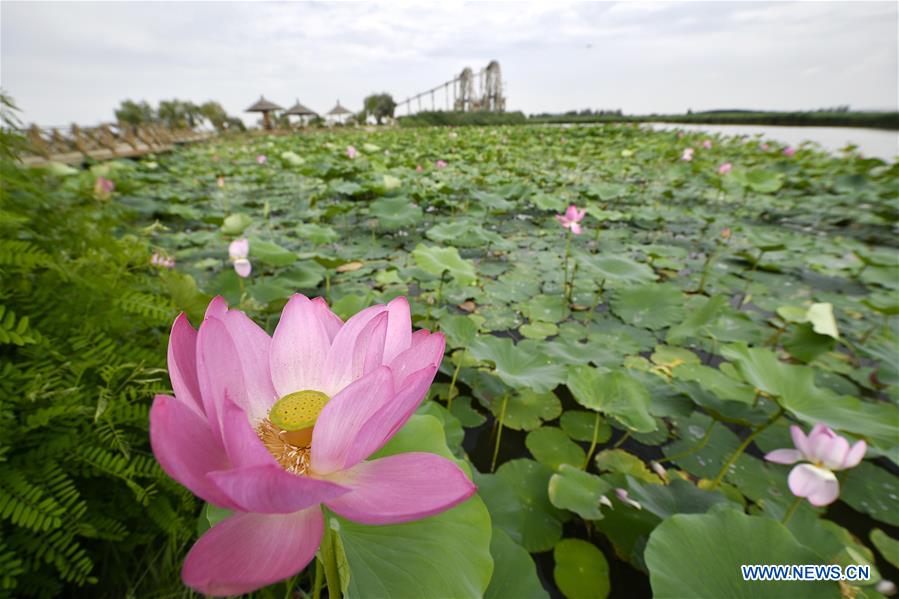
{"x": 551, "y": 447}
{"x": 436, "y": 261}
{"x": 650, "y": 306}
{"x": 573, "y": 489}
{"x": 682, "y": 541}
{"x": 613, "y": 393}
{"x": 581, "y": 571}
{"x": 516, "y": 367}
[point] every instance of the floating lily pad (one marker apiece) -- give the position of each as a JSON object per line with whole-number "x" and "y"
{"x": 551, "y": 447}
{"x": 541, "y": 521}
{"x": 649, "y": 306}
{"x": 581, "y": 571}
{"x": 583, "y": 426}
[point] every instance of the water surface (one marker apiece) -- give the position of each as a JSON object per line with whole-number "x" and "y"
{"x": 875, "y": 143}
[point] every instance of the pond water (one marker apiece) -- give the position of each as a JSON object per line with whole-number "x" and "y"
{"x": 875, "y": 143}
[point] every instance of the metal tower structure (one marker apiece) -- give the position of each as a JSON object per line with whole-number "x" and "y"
{"x": 466, "y": 98}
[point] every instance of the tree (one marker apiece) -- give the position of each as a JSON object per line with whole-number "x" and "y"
{"x": 135, "y": 113}
{"x": 380, "y": 105}
{"x": 178, "y": 114}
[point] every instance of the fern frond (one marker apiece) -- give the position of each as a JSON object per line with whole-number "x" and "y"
{"x": 22, "y": 255}
{"x": 151, "y": 307}
{"x": 26, "y": 505}
{"x": 16, "y": 332}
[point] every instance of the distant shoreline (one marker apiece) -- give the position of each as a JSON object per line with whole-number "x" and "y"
{"x": 871, "y": 120}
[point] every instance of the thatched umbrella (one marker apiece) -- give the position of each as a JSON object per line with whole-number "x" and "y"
{"x": 339, "y": 112}
{"x": 265, "y": 107}
{"x": 300, "y": 110}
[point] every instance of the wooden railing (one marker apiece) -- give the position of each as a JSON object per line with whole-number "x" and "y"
{"x": 105, "y": 142}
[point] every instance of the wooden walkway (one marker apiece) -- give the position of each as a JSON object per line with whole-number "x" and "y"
{"x": 105, "y": 142}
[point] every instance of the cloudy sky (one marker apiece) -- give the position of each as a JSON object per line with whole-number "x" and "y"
{"x": 74, "y": 61}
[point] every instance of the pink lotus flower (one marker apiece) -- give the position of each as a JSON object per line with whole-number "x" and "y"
{"x": 418, "y": 168}
{"x": 261, "y": 159}
{"x": 103, "y": 188}
{"x": 789, "y": 151}
{"x": 162, "y": 261}
{"x": 624, "y": 497}
{"x": 273, "y": 428}
{"x": 763, "y": 147}
{"x": 707, "y": 144}
{"x": 725, "y": 168}
{"x": 687, "y": 156}
{"x": 351, "y": 151}
{"x": 220, "y": 181}
{"x": 826, "y": 451}
{"x": 572, "y": 218}
{"x": 238, "y": 251}
{"x": 440, "y": 164}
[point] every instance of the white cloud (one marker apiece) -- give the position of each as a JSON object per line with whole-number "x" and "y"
{"x": 66, "y": 62}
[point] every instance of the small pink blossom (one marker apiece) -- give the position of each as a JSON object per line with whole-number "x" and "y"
{"x": 261, "y": 159}
{"x": 572, "y": 218}
{"x": 789, "y": 151}
{"x": 238, "y": 251}
{"x": 623, "y": 496}
{"x": 276, "y": 428}
{"x": 764, "y": 147}
{"x": 162, "y": 261}
{"x": 826, "y": 452}
{"x": 351, "y": 151}
{"x": 687, "y": 156}
{"x": 418, "y": 168}
{"x": 707, "y": 144}
{"x": 220, "y": 182}
{"x": 103, "y": 188}
{"x": 440, "y": 164}
{"x": 725, "y": 168}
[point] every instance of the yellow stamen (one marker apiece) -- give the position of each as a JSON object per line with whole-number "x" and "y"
{"x": 292, "y": 458}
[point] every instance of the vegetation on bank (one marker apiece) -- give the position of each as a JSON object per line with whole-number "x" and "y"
{"x": 460, "y": 119}
{"x": 824, "y": 118}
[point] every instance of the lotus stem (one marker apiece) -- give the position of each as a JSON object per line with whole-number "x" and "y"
{"x": 791, "y": 511}
{"x": 733, "y": 458}
{"x": 755, "y": 265}
{"x": 328, "y": 286}
{"x": 440, "y": 287}
{"x": 620, "y": 442}
{"x": 319, "y": 578}
{"x": 452, "y": 386}
{"x": 499, "y": 431}
{"x": 592, "y": 442}
{"x": 565, "y": 264}
{"x": 705, "y": 270}
{"x": 329, "y": 559}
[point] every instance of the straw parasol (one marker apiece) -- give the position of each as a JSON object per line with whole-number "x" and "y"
{"x": 265, "y": 107}
{"x": 300, "y": 110}
{"x": 339, "y": 112}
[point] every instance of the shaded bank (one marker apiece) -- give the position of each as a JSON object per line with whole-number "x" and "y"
{"x": 876, "y": 120}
